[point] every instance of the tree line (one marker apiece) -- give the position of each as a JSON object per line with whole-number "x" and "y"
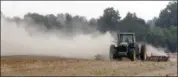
{"x": 161, "y": 31}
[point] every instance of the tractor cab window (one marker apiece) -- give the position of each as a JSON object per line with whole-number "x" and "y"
{"x": 126, "y": 38}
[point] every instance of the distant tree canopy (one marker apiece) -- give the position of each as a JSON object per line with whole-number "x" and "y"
{"x": 131, "y": 23}
{"x": 160, "y": 31}
{"x": 164, "y": 32}
{"x": 168, "y": 16}
{"x": 109, "y": 20}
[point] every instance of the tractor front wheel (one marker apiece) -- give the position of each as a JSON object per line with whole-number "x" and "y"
{"x": 133, "y": 55}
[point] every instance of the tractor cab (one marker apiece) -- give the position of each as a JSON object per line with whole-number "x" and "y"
{"x": 126, "y": 38}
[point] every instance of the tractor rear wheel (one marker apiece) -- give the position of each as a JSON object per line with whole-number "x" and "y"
{"x": 143, "y": 54}
{"x": 112, "y": 52}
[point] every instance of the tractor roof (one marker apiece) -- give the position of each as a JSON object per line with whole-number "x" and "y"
{"x": 126, "y": 33}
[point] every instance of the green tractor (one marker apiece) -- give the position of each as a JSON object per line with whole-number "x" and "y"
{"x": 126, "y": 46}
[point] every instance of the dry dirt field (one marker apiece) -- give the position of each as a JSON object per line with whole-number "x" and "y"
{"x": 54, "y": 66}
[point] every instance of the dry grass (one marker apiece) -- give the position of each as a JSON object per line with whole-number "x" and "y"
{"x": 33, "y": 66}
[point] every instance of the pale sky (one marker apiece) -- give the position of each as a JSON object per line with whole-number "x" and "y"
{"x": 90, "y": 9}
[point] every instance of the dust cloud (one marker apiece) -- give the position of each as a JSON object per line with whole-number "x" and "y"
{"x": 153, "y": 51}
{"x": 15, "y": 40}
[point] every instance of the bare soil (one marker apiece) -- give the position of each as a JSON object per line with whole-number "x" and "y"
{"x": 55, "y": 66}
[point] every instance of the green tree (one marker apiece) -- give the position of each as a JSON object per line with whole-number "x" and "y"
{"x": 168, "y": 16}
{"x": 109, "y": 20}
{"x": 131, "y": 23}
